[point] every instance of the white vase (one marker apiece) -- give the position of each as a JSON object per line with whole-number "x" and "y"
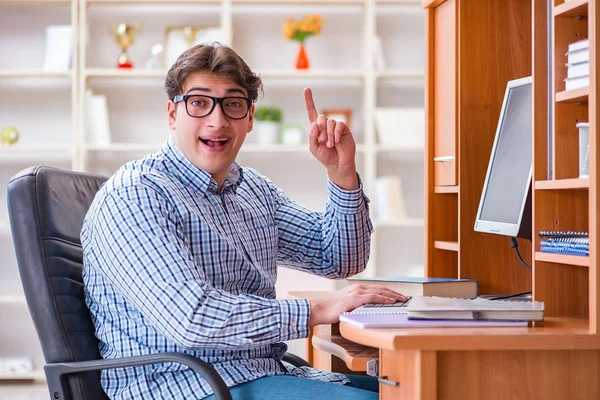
{"x": 267, "y": 132}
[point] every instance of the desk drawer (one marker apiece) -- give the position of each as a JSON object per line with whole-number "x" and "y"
{"x": 413, "y": 371}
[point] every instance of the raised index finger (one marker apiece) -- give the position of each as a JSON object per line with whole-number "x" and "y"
{"x": 310, "y": 105}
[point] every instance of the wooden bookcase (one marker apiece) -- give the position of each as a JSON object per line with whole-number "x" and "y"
{"x": 470, "y": 62}
{"x": 468, "y": 65}
{"x": 567, "y": 284}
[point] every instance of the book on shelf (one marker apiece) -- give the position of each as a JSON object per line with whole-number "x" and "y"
{"x": 57, "y": 54}
{"x": 96, "y": 122}
{"x": 401, "y": 320}
{"x": 569, "y": 243}
{"x": 401, "y": 126}
{"x": 389, "y": 199}
{"x": 409, "y": 286}
{"x": 433, "y": 307}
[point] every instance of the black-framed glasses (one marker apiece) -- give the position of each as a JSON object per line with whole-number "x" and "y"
{"x": 199, "y": 106}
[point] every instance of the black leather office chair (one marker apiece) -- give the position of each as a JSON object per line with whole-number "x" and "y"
{"x": 46, "y": 209}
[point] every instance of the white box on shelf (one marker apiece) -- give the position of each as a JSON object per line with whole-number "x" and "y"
{"x": 579, "y": 45}
{"x": 15, "y": 365}
{"x": 378, "y": 55}
{"x": 57, "y": 56}
{"x": 389, "y": 199}
{"x": 576, "y": 83}
{"x": 578, "y": 56}
{"x": 401, "y": 126}
{"x": 577, "y": 70}
{"x": 96, "y": 123}
{"x": 584, "y": 149}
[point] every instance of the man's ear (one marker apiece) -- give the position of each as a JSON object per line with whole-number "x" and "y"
{"x": 172, "y": 114}
{"x": 250, "y": 119}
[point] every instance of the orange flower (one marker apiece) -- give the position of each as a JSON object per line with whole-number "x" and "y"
{"x": 308, "y": 25}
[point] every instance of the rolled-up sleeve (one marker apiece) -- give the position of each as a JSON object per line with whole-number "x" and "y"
{"x": 334, "y": 244}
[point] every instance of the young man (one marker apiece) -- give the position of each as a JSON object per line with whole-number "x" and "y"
{"x": 181, "y": 248}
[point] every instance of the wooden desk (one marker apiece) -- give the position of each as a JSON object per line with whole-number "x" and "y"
{"x": 560, "y": 360}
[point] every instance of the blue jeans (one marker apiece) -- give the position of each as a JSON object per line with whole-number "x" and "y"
{"x": 293, "y": 388}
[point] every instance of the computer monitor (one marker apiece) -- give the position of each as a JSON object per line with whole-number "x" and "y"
{"x": 505, "y": 204}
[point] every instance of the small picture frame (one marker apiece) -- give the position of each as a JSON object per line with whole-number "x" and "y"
{"x": 339, "y": 114}
{"x": 180, "y": 38}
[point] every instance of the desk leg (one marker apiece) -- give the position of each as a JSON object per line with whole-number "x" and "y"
{"x": 415, "y": 372}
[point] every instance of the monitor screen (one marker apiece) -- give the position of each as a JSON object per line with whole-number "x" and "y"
{"x": 505, "y": 203}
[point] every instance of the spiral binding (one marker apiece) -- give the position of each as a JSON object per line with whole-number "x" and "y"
{"x": 565, "y": 242}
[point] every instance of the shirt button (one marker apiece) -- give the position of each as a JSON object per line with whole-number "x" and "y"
{"x": 293, "y": 323}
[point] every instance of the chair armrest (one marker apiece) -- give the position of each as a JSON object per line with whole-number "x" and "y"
{"x": 295, "y": 360}
{"x": 54, "y": 372}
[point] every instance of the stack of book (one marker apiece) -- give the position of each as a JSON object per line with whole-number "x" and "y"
{"x": 447, "y": 312}
{"x": 417, "y": 286}
{"x": 474, "y": 309}
{"x": 571, "y": 243}
{"x": 578, "y": 65}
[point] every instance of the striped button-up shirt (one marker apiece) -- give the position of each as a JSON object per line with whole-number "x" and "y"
{"x": 173, "y": 264}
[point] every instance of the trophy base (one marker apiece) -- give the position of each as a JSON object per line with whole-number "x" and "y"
{"x": 125, "y": 65}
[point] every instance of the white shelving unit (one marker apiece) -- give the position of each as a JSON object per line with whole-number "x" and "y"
{"x": 342, "y": 75}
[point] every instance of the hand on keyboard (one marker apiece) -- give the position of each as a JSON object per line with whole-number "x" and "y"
{"x": 396, "y": 304}
{"x": 327, "y": 310}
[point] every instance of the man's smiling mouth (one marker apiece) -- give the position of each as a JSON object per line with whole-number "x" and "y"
{"x": 215, "y": 142}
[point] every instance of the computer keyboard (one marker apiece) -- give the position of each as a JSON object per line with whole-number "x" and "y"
{"x": 396, "y": 304}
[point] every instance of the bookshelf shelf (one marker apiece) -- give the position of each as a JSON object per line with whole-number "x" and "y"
{"x": 36, "y": 375}
{"x": 445, "y": 245}
{"x": 402, "y": 73}
{"x": 558, "y": 184}
{"x": 572, "y": 8}
{"x": 580, "y": 261}
{"x": 573, "y": 96}
{"x": 123, "y": 147}
{"x": 446, "y": 189}
{"x": 295, "y": 2}
{"x": 410, "y": 222}
{"x": 33, "y": 2}
{"x": 12, "y": 299}
{"x": 33, "y": 72}
{"x": 134, "y": 2}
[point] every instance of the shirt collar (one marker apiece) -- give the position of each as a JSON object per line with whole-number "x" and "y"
{"x": 190, "y": 175}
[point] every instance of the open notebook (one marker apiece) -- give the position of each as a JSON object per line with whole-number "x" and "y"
{"x": 400, "y": 320}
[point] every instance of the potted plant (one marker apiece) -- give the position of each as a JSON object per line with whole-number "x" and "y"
{"x": 267, "y": 124}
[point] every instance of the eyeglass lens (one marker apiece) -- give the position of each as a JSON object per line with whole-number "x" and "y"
{"x": 201, "y": 106}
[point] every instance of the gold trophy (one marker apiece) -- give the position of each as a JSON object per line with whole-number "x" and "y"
{"x": 124, "y": 35}
{"x": 190, "y": 33}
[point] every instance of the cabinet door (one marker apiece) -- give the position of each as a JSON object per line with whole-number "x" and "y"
{"x": 443, "y": 73}
{"x": 408, "y": 374}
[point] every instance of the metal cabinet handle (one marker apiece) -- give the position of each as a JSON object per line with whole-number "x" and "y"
{"x": 385, "y": 381}
{"x": 373, "y": 370}
{"x": 443, "y": 159}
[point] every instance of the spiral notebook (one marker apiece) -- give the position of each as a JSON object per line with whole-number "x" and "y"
{"x": 401, "y": 320}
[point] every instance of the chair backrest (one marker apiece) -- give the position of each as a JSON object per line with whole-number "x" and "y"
{"x": 46, "y": 208}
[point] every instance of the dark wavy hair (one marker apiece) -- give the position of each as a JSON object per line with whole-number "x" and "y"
{"x": 214, "y": 58}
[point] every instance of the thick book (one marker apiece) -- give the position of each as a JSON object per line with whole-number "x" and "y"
{"x": 443, "y": 287}
{"x": 469, "y": 309}
{"x": 401, "y": 320}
